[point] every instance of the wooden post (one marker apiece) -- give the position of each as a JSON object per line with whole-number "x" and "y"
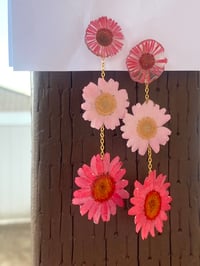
{"x": 63, "y": 141}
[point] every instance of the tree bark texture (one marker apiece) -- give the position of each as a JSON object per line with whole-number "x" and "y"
{"x": 63, "y": 141}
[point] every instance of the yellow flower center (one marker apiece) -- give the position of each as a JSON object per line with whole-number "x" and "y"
{"x": 103, "y": 188}
{"x": 152, "y": 205}
{"x": 104, "y": 37}
{"x": 105, "y": 104}
{"x": 146, "y": 128}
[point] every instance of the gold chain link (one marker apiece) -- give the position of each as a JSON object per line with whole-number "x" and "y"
{"x": 102, "y": 68}
{"x": 146, "y": 90}
{"x": 102, "y": 140}
{"x": 149, "y": 159}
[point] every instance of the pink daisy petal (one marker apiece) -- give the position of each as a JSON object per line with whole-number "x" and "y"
{"x": 112, "y": 207}
{"x": 97, "y": 215}
{"x": 100, "y": 191}
{"x": 118, "y": 200}
{"x": 150, "y": 203}
{"x": 86, "y": 207}
{"x": 105, "y": 212}
{"x": 145, "y": 127}
{"x": 82, "y": 182}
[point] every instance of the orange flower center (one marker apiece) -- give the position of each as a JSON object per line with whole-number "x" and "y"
{"x": 146, "y": 128}
{"x": 103, "y": 188}
{"x": 147, "y": 61}
{"x": 152, "y": 205}
{"x": 105, "y": 104}
{"x": 104, "y": 37}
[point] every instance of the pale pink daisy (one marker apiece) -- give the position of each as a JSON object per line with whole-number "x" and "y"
{"x": 104, "y": 37}
{"x": 104, "y": 103}
{"x": 146, "y": 61}
{"x": 145, "y": 127}
{"x": 101, "y": 188}
{"x": 151, "y": 201}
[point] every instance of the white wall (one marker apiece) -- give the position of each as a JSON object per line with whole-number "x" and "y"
{"x": 15, "y": 165}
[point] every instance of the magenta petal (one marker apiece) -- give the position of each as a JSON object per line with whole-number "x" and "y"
{"x": 82, "y": 193}
{"x": 123, "y": 193}
{"x": 105, "y": 212}
{"x": 97, "y": 214}
{"x": 112, "y": 207}
{"x": 99, "y": 165}
{"x": 93, "y": 210}
{"x": 118, "y": 200}
{"x": 86, "y": 206}
{"x": 82, "y": 182}
{"x": 121, "y": 184}
{"x": 106, "y": 162}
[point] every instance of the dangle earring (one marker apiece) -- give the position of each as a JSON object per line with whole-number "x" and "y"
{"x": 145, "y": 133}
{"x": 101, "y": 187}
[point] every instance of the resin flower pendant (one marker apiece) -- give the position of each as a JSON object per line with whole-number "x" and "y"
{"x": 104, "y": 37}
{"x": 145, "y": 127}
{"x": 104, "y": 104}
{"x": 151, "y": 201}
{"x": 101, "y": 188}
{"x": 146, "y": 61}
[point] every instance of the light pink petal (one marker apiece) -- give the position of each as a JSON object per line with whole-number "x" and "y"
{"x": 155, "y": 145}
{"x": 96, "y": 123}
{"x": 111, "y": 122}
{"x": 143, "y": 145}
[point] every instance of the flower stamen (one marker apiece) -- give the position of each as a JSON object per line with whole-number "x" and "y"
{"x": 103, "y": 188}
{"x": 152, "y": 205}
{"x": 146, "y": 128}
{"x": 104, "y": 37}
{"x": 105, "y": 104}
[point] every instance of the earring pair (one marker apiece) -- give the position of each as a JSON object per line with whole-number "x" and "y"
{"x": 101, "y": 184}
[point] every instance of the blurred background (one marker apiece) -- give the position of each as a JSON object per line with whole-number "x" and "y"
{"x": 15, "y": 156}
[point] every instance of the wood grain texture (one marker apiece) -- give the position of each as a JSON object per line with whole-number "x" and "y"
{"x": 63, "y": 141}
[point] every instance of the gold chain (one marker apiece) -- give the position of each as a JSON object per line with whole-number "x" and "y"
{"x": 149, "y": 159}
{"x": 146, "y": 90}
{"x": 102, "y": 68}
{"x": 102, "y": 140}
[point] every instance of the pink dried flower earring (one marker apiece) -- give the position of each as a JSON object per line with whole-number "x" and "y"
{"x": 145, "y": 131}
{"x": 101, "y": 185}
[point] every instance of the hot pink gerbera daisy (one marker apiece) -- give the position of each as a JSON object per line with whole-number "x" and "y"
{"x": 101, "y": 188}
{"x": 104, "y": 103}
{"x": 151, "y": 201}
{"x": 146, "y": 61}
{"x": 145, "y": 127}
{"x": 104, "y": 37}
